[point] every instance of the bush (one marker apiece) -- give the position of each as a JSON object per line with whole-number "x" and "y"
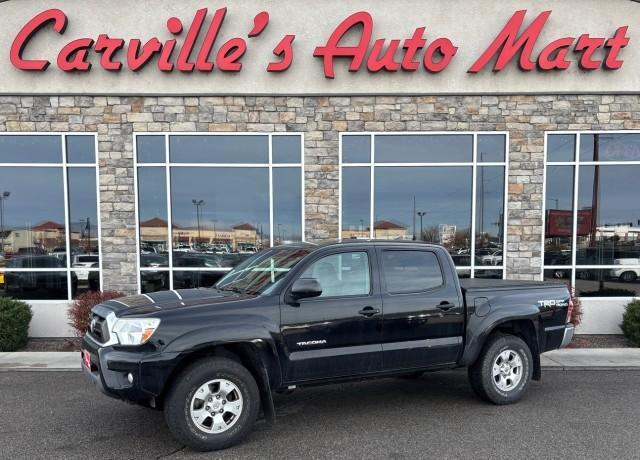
{"x": 631, "y": 322}
{"x": 576, "y": 315}
{"x": 80, "y": 309}
{"x": 15, "y": 317}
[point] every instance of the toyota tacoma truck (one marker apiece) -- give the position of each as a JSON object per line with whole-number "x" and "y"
{"x": 306, "y": 314}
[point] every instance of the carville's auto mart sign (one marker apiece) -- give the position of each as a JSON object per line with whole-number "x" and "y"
{"x": 328, "y": 47}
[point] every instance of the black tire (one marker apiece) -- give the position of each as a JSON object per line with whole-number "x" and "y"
{"x": 628, "y": 277}
{"x": 177, "y": 404}
{"x": 481, "y": 372}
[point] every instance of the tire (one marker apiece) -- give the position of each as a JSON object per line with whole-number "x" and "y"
{"x": 514, "y": 366}
{"x": 182, "y": 397}
{"x": 628, "y": 277}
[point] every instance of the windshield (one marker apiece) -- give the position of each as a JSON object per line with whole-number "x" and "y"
{"x": 262, "y": 271}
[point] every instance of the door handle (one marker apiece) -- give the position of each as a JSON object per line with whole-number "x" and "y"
{"x": 369, "y": 311}
{"x": 445, "y": 306}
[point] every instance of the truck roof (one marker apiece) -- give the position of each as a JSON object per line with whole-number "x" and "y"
{"x": 355, "y": 242}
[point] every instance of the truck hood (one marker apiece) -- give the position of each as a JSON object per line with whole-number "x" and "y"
{"x": 169, "y": 300}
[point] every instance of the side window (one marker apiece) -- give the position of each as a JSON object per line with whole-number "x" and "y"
{"x": 342, "y": 274}
{"x": 410, "y": 271}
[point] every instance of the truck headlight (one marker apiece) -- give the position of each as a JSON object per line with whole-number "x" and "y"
{"x": 135, "y": 331}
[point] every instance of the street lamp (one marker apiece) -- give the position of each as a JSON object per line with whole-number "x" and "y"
{"x": 421, "y": 214}
{"x": 198, "y": 204}
{"x": 3, "y": 196}
{"x": 279, "y": 234}
{"x": 361, "y": 225}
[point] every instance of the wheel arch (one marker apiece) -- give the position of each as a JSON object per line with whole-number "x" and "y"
{"x": 255, "y": 355}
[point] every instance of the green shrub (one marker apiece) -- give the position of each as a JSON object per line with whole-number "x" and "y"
{"x": 15, "y": 317}
{"x": 631, "y": 322}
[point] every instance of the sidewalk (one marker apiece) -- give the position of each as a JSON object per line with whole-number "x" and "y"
{"x": 566, "y": 359}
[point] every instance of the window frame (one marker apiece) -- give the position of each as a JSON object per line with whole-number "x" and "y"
{"x": 64, "y": 165}
{"x": 167, "y": 165}
{"x": 474, "y": 164}
{"x": 383, "y": 276}
{"x": 576, "y": 164}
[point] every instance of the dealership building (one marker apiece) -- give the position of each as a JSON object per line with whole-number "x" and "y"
{"x": 154, "y": 145}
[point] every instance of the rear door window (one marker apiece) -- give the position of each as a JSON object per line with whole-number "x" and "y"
{"x": 411, "y": 271}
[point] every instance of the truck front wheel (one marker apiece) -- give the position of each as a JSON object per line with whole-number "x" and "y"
{"x": 502, "y": 372}
{"x": 212, "y": 405}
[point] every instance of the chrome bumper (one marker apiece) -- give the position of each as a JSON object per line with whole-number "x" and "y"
{"x": 568, "y": 335}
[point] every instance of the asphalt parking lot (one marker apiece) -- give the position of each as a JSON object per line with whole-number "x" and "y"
{"x": 570, "y": 414}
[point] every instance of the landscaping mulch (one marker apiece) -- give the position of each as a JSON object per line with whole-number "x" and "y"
{"x": 599, "y": 341}
{"x": 62, "y": 344}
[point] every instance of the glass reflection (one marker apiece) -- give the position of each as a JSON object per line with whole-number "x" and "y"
{"x": 286, "y": 149}
{"x": 561, "y": 147}
{"x": 356, "y": 206}
{"x": 488, "y": 274}
{"x": 152, "y": 281}
{"x": 81, "y": 149}
{"x": 610, "y": 231}
{"x": 559, "y": 215}
{"x": 32, "y": 216}
{"x": 35, "y": 285}
{"x": 195, "y": 279}
{"x": 356, "y": 149}
{"x": 219, "y": 149}
{"x": 152, "y": 210}
{"x": 428, "y": 204}
{"x": 421, "y": 148}
{"x": 212, "y": 215}
{"x": 558, "y": 274}
{"x": 83, "y": 216}
{"x": 489, "y": 214}
{"x": 287, "y": 210}
{"x": 610, "y": 147}
{"x": 30, "y": 149}
{"x": 85, "y": 280}
{"x": 607, "y": 283}
{"x": 491, "y": 147}
{"x": 151, "y": 149}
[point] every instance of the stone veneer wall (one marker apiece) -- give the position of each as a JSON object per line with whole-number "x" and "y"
{"x": 321, "y": 119}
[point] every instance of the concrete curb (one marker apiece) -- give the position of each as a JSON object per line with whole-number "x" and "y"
{"x": 569, "y": 359}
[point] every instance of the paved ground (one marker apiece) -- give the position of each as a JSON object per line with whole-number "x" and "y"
{"x": 570, "y": 414}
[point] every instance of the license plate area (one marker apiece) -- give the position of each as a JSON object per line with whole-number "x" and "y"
{"x": 86, "y": 359}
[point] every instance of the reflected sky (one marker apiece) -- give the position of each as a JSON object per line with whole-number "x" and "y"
{"x": 287, "y": 199}
{"x": 232, "y": 196}
{"x": 37, "y": 195}
{"x": 490, "y": 197}
{"x": 442, "y": 192}
{"x": 421, "y": 148}
{"x": 617, "y": 195}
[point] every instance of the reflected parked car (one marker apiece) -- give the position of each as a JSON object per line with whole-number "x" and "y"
{"x": 33, "y": 284}
{"x": 495, "y": 258}
{"x": 626, "y": 274}
{"x": 94, "y": 278}
{"x": 84, "y": 261}
{"x": 153, "y": 261}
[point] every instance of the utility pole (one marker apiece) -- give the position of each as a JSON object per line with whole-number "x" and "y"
{"x": 414, "y": 217}
{"x": 198, "y": 204}
{"x": 3, "y": 196}
{"x": 421, "y": 214}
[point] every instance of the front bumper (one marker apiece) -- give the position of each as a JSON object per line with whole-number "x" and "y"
{"x": 111, "y": 371}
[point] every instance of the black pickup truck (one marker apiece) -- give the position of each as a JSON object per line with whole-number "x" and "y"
{"x": 303, "y": 315}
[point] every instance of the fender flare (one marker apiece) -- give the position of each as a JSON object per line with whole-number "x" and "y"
{"x": 480, "y": 328}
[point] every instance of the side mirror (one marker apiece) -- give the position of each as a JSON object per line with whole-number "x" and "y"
{"x": 305, "y": 288}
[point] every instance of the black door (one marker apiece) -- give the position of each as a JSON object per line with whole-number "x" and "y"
{"x": 339, "y": 333}
{"x": 424, "y": 317}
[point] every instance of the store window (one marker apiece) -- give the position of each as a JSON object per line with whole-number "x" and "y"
{"x": 592, "y": 212}
{"x": 49, "y": 228}
{"x": 206, "y": 202}
{"x": 441, "y": 188}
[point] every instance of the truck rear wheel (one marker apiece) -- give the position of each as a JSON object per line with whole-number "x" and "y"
{"x": 502, "y": 372}
{"x": 212, "y": 405}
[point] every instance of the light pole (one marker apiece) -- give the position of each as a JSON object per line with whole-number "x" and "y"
{"x": 198, "y": 204}
{"x": 279, "y": 235}
{"x": 3, "y": 196}
{"x": 362, "y": 226}
{"x": 421, "y": 214}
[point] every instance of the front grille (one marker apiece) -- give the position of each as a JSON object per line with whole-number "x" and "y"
{"x": 98, "y": 328}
